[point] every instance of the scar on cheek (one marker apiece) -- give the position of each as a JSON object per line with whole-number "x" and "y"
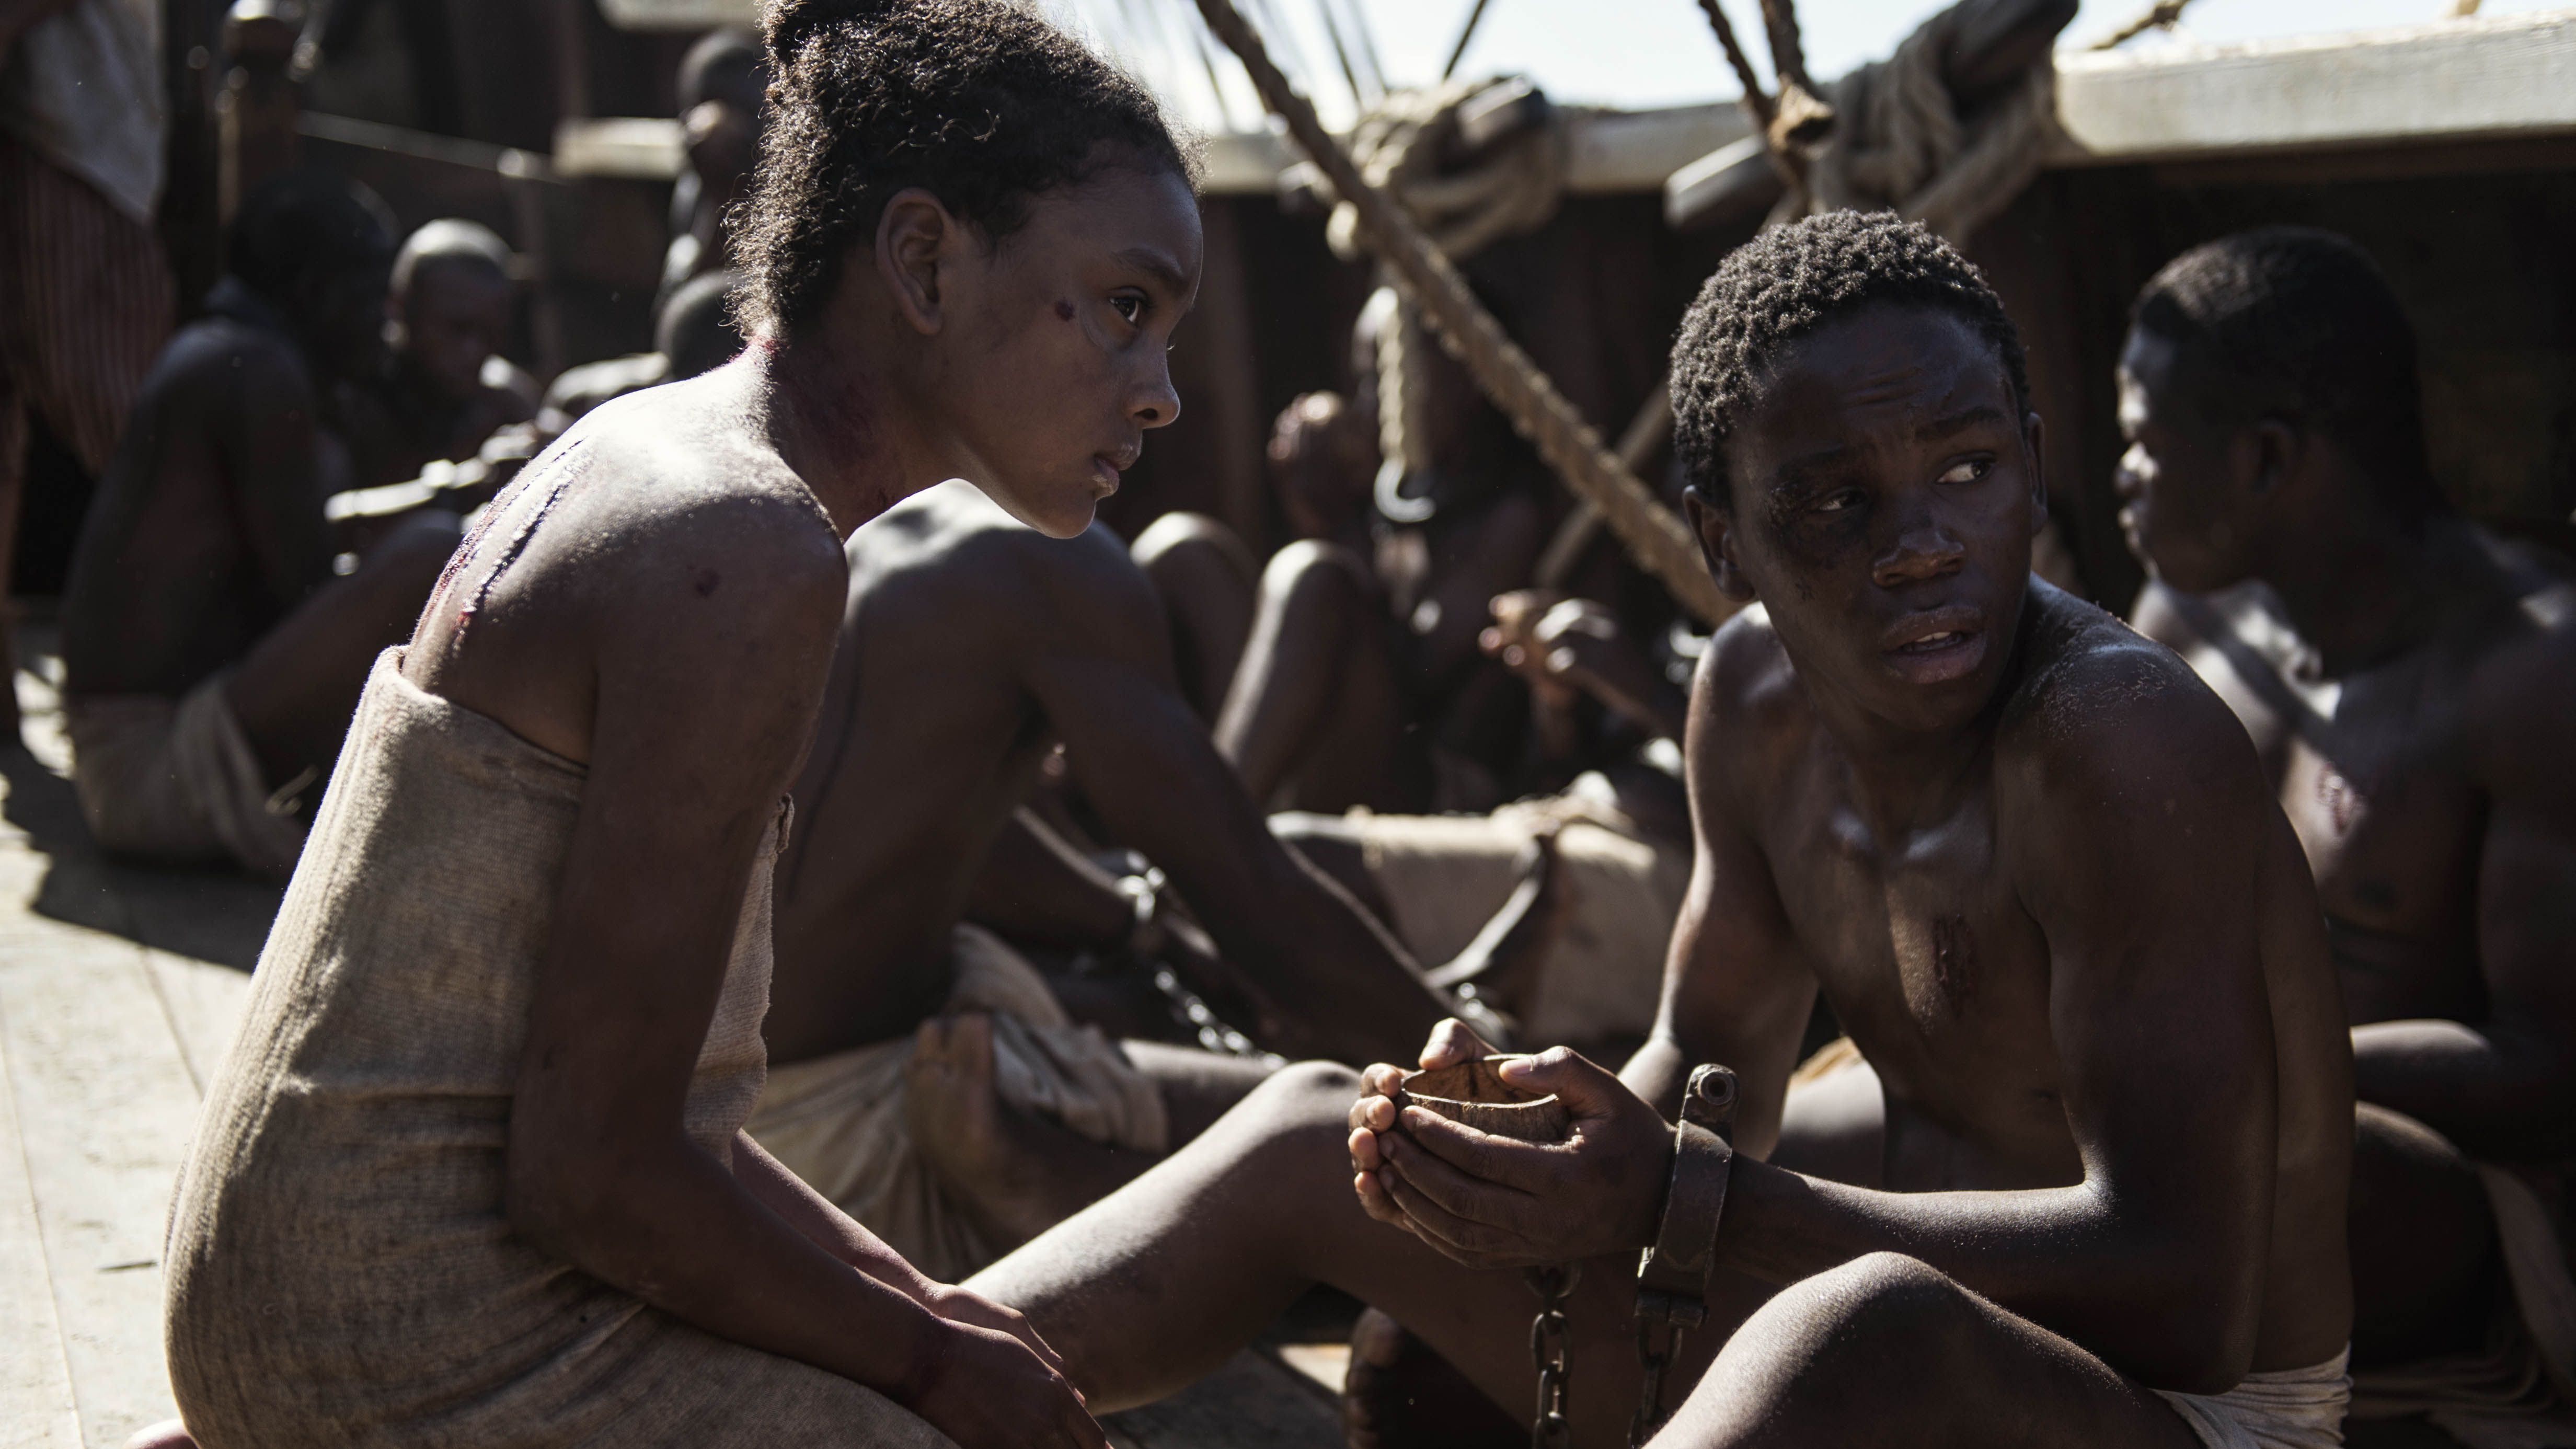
{"x": 1064, "y": 309}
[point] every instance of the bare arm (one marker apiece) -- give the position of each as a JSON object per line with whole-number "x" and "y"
{"x": 703, "y": 701}
{"x": 1737, "y": 987}
{"x": 2505, "y": 1087}
{"x": 267, "y": 441}
{"x": 1146, "y": 762}
{"x": 2161, "y": 1023}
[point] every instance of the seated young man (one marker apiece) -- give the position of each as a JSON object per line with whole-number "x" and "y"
{"x": 445, "y": 386}
{"x": 212, "y": 656}
{"x": 2410, "y": 685}
{"x": 2030, "y": 861}
{"x": 922, "y": 1076}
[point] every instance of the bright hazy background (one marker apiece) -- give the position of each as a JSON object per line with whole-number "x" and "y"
{"x": 1629, "y": 53}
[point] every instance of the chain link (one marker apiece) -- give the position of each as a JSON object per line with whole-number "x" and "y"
{"x": 1548, "y": 1336}
{"x": 1650, "y": 1394}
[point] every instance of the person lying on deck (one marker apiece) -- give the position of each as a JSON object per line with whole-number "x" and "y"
{"x": 2410, "y": 684}
{"x": 972, "y": 646}
{"x": 211, "y": 657}
{"x": 2029, "y": 859}
{"x": 476, "y": 1174}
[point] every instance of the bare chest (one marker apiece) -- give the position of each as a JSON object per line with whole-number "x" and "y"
{"x": 1923, "y": 951}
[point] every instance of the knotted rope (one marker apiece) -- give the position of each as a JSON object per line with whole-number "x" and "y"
{"x": 1513, "y": 187}
{"x": 1899, "y": 143}
{"x": 1424, "y": 276}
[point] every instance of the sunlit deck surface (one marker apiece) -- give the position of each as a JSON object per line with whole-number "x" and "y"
{"x": 120, "y": 987}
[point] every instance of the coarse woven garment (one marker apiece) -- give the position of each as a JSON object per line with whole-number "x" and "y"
{"x": 340, "y": 1270}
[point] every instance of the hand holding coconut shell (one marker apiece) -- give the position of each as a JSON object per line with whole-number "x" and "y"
{"x": 1508, "y": 1161}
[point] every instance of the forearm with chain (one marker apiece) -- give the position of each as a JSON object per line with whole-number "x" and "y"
{"x": 1672, "y": 1277}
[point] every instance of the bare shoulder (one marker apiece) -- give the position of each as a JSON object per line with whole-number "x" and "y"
{"x": 2519, "y": 707}
{"x": 649, "y": 506}
{"x": 961, "y": 553}
{"x": 235, "y": 366}
{"x": 1748, "y": 712}
{"x": 2099, "y": 721}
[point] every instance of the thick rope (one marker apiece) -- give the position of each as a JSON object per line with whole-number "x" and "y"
{"x": 1900, "y": 144}
{"x": 1515, "y": 188}
{"x": 1658, "y": 540}
{"x": 2160, "y": 16}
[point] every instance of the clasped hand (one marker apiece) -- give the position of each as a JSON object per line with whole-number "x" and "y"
{"x": 1491, "y": 1202}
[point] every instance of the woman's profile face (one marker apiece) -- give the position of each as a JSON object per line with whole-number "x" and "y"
{"x": 1058, "y": 365}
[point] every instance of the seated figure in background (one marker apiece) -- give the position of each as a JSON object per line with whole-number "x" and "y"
{"x": 445, "y": 386}
{"x": 693, "y": 333}
{"x": 212, "y": 651}
{"x": 721, "y": 88}
{"x": 2410, "y": 682}
{"x": 921, "y": 1074}
{"x": 1360, "y": 682}
{"x": 2031, "y": 862}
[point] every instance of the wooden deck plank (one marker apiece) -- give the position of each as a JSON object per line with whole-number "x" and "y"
{"x": 105, "y": 1104}
{"x": 1251, "y": 1403}
{"x": 36, "y": 1407}
{"x": 204, "y": 1003}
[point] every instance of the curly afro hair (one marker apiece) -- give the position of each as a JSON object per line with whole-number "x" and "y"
{"x": 1793, "y": 280}
{"x": 2292, "y": 322}
{"x": 980, "y": 102}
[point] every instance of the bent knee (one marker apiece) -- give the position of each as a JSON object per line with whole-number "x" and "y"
{"x": 1192, "y": 535}
{"x": 1310, "y": 565}
{"x": 1869, "y": 1303}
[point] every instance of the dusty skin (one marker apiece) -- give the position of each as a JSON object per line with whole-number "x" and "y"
{"x": 686, "y": 677}
{"x": 930, "y": 736}
{"x": 2410, "y": 688}
{"x": 1993, "y": 827}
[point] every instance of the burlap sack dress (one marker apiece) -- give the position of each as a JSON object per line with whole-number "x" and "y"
{"x": 340, "y": 1271}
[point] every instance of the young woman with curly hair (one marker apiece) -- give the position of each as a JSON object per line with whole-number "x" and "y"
{"x": 474, "y": 1173}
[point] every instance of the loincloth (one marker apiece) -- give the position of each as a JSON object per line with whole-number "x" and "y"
{"x": 2290, "y": 1409}
{"x": 176, "y": 780}
{"x": 1601, "y": 975}
{"x": 838, "y": 1121}
{"x": 2515, "y": 1391}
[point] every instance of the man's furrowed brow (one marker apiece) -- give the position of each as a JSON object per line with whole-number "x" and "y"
{"x": 1960, "y": 421}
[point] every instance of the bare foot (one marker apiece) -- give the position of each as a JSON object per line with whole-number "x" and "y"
{"x": 1013, "y": 1175}
{"x": 168, "y": 1434}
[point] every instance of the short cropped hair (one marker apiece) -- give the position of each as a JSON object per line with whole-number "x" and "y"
{"x": 306, "y": 223}
{"x": 446, "y": 240}
{"x": 2300, "y": 324}
{"x": 1792, "y": 281}
{"x": 980, "y": 102}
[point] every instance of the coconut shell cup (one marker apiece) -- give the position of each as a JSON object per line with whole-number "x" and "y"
{"x": 1476, "y": 1094}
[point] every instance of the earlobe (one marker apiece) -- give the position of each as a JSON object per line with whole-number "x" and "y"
{"x": 2276, "y": 449}
{"x": 1716, "y": 545}
{"x": 914, "y": 236}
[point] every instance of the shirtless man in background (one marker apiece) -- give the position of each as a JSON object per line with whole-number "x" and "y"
{"x": 211, "y": 656}
{"x": 2033, "y": 866}
{"x": 971, "y": 646}
{"x": 2410, "y": 683}
{"x": 450, "y": 310}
